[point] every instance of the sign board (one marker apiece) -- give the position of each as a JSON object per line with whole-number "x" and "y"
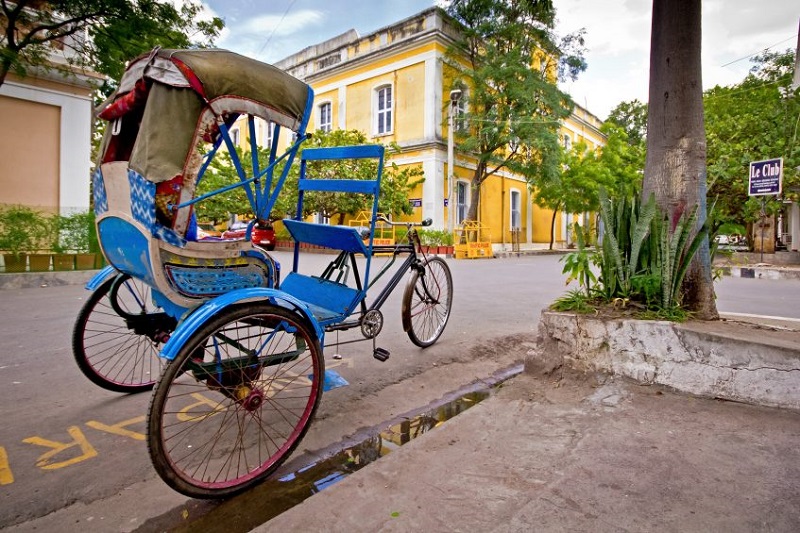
{"x": 415, "y": 202}
{"x": 766, "y": 177}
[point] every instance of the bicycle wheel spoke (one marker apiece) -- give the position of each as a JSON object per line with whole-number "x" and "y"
{"x": 106, "y": 347}
{"x": 221, "y": 422}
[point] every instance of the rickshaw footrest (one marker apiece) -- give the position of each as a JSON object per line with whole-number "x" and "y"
{"x": 381, "y": 354}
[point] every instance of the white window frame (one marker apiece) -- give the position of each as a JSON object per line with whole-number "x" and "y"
{"x": 383, "y": 112}
{"x": 235, "y": 136}
{"x": 462, "y": 208}
{"x": 322, "y": 124}
{"x": 269, "y": 133}
{"x": 515, "y": 209}
{"x": 567, "y": 141}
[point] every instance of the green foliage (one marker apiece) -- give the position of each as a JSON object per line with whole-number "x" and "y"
{"x": 396, "y": 183}
{"x": 433, "y": 237}
{"x": 575, "y": 300}
{"x": 631, "y": 117}
{"x": 578, "y": 264}
{"x": 118, "y": 31}
{"x": 642, "y": 261}
{"x": 627, "y": 224}
{"x": 75, "y": 233}
{"x": 754, "y": 120}
{"x": 507, "y": 60}
{"x": 23, "y": 230}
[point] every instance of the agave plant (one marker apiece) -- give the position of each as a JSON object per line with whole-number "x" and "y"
{"x": 627, "y": 225}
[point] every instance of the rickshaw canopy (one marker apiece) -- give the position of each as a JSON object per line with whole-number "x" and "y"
{"x": 186, "y": 93}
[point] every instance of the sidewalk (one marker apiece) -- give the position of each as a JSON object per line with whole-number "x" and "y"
{"x": 573, "y": 452}
{"x": 577, "y": 454}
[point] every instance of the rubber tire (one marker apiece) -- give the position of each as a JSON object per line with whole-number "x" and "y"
{"x": 226, "y": 408}
{"x": 437, "y": 267}
{"x": 126, "y": 347}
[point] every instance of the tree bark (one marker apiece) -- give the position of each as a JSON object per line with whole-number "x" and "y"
{"x": 676, "y": 144}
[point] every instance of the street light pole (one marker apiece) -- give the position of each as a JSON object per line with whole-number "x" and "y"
{"x": 455, "y": 96}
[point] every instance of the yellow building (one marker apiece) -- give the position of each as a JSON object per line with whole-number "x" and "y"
{"x": 392, "y": 84}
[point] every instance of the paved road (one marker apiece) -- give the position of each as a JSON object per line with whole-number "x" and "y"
{"x": 65, "y": 440}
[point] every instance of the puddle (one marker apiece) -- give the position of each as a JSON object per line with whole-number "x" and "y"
{"x": 274, "y": 496}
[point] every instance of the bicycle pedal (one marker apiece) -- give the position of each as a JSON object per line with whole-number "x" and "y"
{"x": 381, "y": 354}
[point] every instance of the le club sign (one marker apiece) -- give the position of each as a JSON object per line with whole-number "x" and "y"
{"x": 765, "y": 177}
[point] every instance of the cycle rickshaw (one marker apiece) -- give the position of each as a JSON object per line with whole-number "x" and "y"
{"x": 243, "y": 347}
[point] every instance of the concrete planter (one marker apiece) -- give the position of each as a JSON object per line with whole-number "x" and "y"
{"x": 63, "y": 262}
{"x": 729, "y": 360}
{"x": 15, "y": 262}
{"x": 40, "y": 262}
{"x": 85, "y": 261}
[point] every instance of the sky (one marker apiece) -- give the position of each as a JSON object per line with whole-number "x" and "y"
{"x": 617, "y": 36}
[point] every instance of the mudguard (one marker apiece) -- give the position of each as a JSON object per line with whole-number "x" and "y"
{"x": 210, "y": 308}
{"x": 100, "y": 278}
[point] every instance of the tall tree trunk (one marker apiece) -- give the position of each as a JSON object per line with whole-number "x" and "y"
{"x": 553, "y": 226}
{"x": 475, "y": 191}
{"x": 676, "y": 144}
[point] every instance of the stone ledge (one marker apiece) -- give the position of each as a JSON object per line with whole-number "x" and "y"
{"x": 730, "y": 360}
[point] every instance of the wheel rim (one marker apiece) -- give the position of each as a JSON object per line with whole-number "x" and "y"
{"x": 116, "y": 356}
{"x": 232, "y": 419}
{"x": 429, "y": 305}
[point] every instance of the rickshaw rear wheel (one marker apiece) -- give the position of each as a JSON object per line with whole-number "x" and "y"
{"x": 426, "y": 302}
{"x": 111, "y": 353}
{"x": 236, "y": 400}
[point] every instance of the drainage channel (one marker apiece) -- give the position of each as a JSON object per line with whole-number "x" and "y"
{"x": 274, "y": 496}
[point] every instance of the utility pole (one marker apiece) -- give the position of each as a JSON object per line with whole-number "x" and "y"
{"x": 455, "y": 96}
{"x": 794, "y": 219}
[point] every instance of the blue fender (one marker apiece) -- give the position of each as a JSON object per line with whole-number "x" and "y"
{"x": 210, "y": 308}
{"x": 100, "y": 278}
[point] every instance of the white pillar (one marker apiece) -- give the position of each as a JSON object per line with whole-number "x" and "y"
{"x": 795, "y": 227}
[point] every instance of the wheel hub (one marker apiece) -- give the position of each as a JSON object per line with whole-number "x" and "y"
{"x": 251, "y": 398}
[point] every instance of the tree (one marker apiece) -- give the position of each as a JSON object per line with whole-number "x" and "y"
{"x": 616, "y": 167}
{"x": 676, "y": 145}
{"x": 575, "y": 189}
{"x": 754, "y": 120}
{"x": 117, "y": 29}
{"x": 632, "y": 118}
{"x": 508, "y": 58}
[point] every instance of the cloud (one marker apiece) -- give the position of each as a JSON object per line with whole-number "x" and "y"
{"x": 269, "y": 36}
{"x": 618, "y": 44}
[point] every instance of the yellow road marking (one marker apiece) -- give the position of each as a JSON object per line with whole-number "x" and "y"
{"x": 6, "y": 477}
{"x": 119, "y": 428}
{"x": 78, "y": 439}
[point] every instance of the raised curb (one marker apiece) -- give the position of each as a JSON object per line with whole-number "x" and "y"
{"x": 29, "y": 280}
{"x": 729, "y": 360}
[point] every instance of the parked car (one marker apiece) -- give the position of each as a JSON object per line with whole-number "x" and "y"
{"x": 732, "y": 243}
{"x": 207, "y": 229}
{"x": 263, "y": 233}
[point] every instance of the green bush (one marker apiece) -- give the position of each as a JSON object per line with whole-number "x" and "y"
{"x": 77, "y": 233}
{"x": 23, "y": 230}
{"x": 640, "y": 260}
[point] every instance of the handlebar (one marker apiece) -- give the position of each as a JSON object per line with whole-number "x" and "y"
{"x": 425, "y": 223}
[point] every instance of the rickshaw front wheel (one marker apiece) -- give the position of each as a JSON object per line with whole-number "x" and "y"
{"x": 236, "y": 400}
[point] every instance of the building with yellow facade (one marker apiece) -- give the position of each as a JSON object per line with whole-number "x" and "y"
{"x": 392, "y": 84}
